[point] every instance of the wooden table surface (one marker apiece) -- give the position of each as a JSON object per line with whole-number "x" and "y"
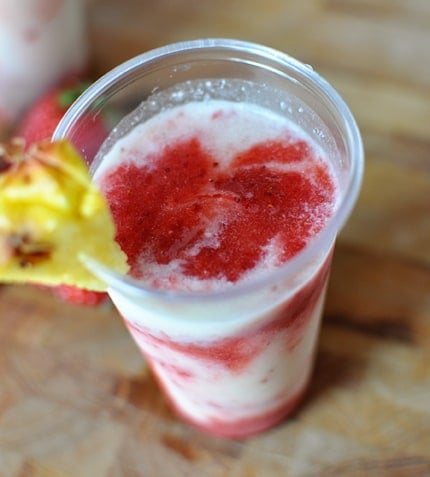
{"x": 76, "y": 399}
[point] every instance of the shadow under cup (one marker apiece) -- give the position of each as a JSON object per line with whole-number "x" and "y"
{"x": 233, "y": 362}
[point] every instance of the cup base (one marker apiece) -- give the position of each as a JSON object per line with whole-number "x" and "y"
{"x": 243, "y": 428}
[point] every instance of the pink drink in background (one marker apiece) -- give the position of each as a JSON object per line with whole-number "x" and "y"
{"x": 41, "y": 43}
{"x": 209, "y": 196}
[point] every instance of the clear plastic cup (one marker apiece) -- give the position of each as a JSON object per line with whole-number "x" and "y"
{"x": 237, "y": 361}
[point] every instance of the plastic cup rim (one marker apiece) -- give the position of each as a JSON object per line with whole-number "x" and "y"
{"x": 325, "y": 237}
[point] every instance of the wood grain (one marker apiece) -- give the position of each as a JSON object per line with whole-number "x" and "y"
{"x": 76, "y": 399}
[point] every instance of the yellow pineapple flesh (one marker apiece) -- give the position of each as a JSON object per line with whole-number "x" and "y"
{"x": 52, "y": 215}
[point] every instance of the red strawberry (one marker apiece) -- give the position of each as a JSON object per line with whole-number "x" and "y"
{"x": 39, "y": 123}
{"x": 41, "y": 119}
{"x": 78, "y": 296}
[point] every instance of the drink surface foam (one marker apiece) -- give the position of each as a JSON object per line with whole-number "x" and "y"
{"x": 209, "y": 193}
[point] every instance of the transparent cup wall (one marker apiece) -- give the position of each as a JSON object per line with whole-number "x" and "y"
{"x": 270, "y": 325}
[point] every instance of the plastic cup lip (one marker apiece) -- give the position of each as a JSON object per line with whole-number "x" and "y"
{"x": 322, "y": 241}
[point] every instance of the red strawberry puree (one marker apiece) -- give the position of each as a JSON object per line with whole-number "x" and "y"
{"x": 206, "y": 196}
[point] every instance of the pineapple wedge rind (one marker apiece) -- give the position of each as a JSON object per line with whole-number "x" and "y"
{"x": 50, "y": 215}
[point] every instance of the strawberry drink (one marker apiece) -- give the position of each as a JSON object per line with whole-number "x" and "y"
{"x": 224, "y": 203}
{"x": 205, "y": 196}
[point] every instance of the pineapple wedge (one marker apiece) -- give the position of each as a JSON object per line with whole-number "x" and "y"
{"x": 51, "y": 215}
